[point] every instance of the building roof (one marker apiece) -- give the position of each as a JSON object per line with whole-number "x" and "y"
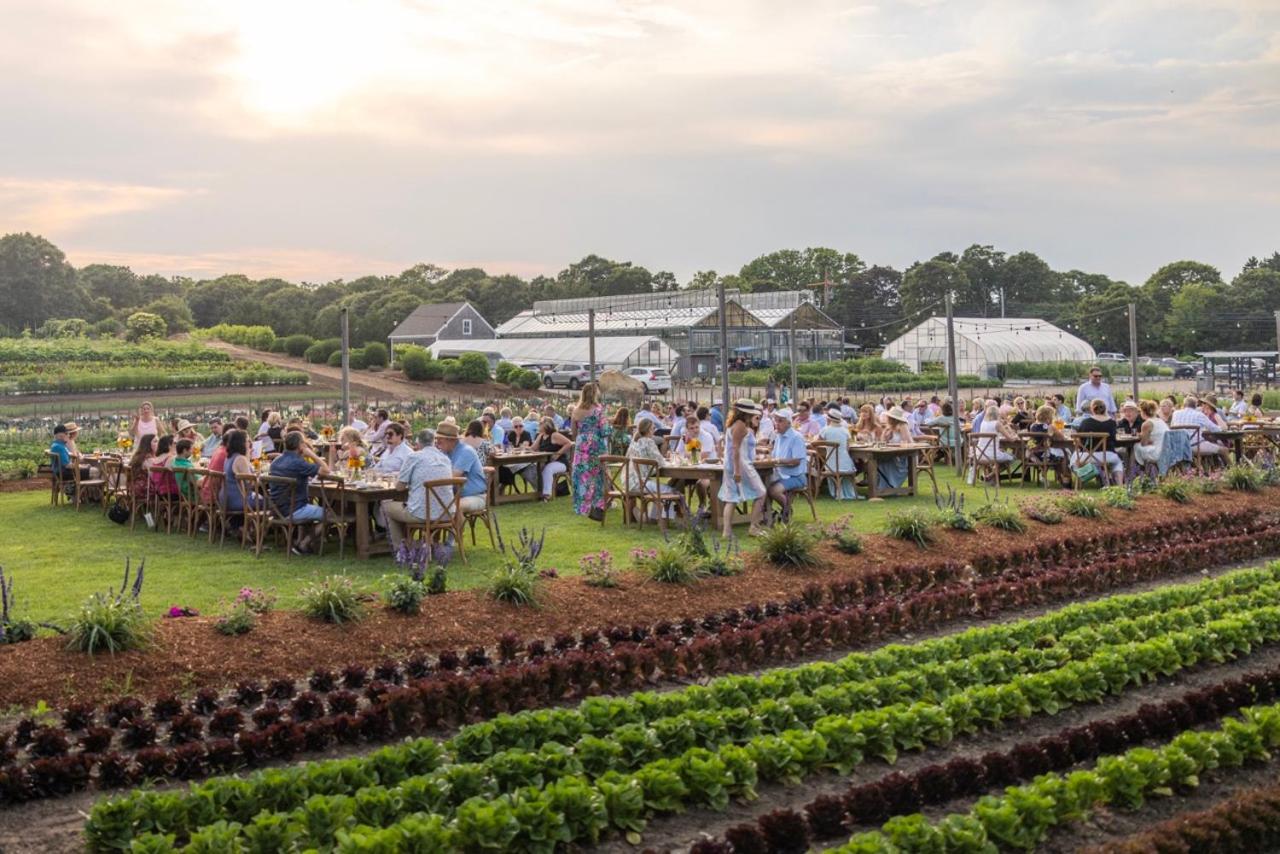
{"x": 663, "y": 310}
{"x": 982, "y": 341}
{"x": 426, "y": 319}
{"x": 610, "y": 349}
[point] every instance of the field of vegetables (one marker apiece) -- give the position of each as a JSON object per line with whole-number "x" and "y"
{"x": 81, "y": 365}
{"x": 615, "y": 768}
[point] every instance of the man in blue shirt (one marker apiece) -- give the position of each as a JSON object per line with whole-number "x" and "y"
{"x": 425, "y": 465}
{"x": 794, "y": 474}
{"x": 496, "y": 433}
{"x": 291, "y": 464}
{"x": 717, "y": 417}
{"x": 60, "y": 450}
{"x": 466, "y": 463}
{"x": 646, "y": 414}
{"x": 214, "y": 440}
{"x": 1060, "y": 407}
{"x": 1095, "y": 389}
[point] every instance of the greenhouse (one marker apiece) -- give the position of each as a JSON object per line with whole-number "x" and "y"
{"x": 985, "y": 343}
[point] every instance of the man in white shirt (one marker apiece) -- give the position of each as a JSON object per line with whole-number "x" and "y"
{"x": 395, "y": 452}
{"x": 805, "y": 424}
{"x": 846, "y": 411}
{"x": 704, "y": 419}
{"x": 376, "y": 434}
{"x": 1190, "y": 415}
{"x": 504, "y": 419}
{"x": 1095, "y": 389}
{"x": 917, "y": 417}
{"x": 420, "y": 467}
{"x": 1239, "y": 406}
{"x": 357, "y": 419}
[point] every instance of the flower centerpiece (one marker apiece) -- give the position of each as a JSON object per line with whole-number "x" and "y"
{"x": 326, "y": 431}
{"x": 693, "y": 448}
{"x": 355, "y": 464}
{"x": 124, "y": 441}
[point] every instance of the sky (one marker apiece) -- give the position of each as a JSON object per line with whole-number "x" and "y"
{"x": 332, "y": 139}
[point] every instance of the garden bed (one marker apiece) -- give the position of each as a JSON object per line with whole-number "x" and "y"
{"x": 188, "y": 653}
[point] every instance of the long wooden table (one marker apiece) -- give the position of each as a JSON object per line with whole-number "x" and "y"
{"x": 872, "y": 455}
{"x": 537, "y": 459}
{"x": 715, "y": 473}
{"x": 363, "y": 499}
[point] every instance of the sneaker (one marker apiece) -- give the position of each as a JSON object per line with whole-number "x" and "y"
{"x": 297, "y": 551}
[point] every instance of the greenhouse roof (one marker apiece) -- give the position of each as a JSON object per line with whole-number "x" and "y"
{"x": 610, "y": 349}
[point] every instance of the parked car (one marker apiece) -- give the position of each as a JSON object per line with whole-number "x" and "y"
{"x": 1112, "y": 357}
{"x": 568, "y": 374}
{"x": 1181, "y": 369}
{"x": 656, "y": 380}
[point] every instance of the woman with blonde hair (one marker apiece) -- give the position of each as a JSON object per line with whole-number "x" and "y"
{"x": 866, "y": 430}
{"x": 741, "y": 481}
{"x": 1151, "y": 437}
{"x": 591, "y": 440}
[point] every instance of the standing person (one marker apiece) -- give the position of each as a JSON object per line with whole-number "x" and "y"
{"x": 1094, "y": 389}
{"x": 591, "y": 439}
{"x": 741, "y": 481}
{"x": 426, "y": 464}
{"x": 144, "y": 423}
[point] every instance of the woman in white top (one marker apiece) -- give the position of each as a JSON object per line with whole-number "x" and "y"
{"x": 644, "y": 447}
{"x": 1151, "y": 437}
{"x": 994, "y": 426}
{"x": 144, "y": 423}
{"x": 741, "y": 481}
{"x": 838, "y": 459}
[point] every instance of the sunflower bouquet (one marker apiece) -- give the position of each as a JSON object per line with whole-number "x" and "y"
{"x": 693, "y": 448}
{"x": 124, "y": 441}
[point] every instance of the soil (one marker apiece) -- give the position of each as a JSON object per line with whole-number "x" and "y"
{"x": 27, "y": 485}
{"x": 189, "y": 653}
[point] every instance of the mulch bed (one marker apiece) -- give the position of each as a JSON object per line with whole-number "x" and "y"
{"x": 27, "y": 485}
{"x": 189, "y": 653}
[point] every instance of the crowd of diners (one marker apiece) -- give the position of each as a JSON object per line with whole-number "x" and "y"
{"x": 167, "y": 457}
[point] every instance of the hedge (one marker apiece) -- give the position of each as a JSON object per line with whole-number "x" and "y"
{"x": 319, "y": 352}
{"x": 257, "y": 337}
{"x": 297, "y": 345}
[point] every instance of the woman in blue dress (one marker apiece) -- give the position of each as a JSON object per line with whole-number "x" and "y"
{"x": 892, "y": 471}
{"x": 838, "y": 459}
{"x": 741, "y": 481}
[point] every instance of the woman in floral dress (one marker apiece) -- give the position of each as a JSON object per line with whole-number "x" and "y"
{"x": 591, "y": 440}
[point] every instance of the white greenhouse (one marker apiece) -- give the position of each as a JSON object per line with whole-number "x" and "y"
{"x": 983, "y": 343}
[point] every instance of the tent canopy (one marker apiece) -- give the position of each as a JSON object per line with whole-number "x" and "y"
{"x": 982, "y": 343}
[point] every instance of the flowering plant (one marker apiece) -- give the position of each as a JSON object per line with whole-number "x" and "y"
{"x": 176, "y": 611}
{"x": 257, "y": 600}
{"x": 124, "y": 442}
{"x": 355, "y": 463}
{"x": 597, "y": 569}
{"x": 326, "y": 431}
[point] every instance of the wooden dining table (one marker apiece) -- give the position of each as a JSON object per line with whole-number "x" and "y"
{"x": 871, "y": 456}
{"x": 509, "y": 459}
{"x": 363, "y": 498}
{"x": 715, "y": 473}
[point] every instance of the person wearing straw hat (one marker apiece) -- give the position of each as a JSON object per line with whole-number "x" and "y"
{"x": 838, "y": 458}
{"x": 741, "y": 481}
{"x": 893, "y": 472}
{"x": 787, "y": 445}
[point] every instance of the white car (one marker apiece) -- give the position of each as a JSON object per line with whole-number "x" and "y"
{"x": 656, "y": 380}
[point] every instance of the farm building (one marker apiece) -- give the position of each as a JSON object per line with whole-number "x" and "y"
{"x": 431, "y": 322}
{"x": 984, "y": 343}
{"x": 688, "y": 324}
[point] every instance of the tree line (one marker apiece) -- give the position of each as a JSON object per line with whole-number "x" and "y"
{"x": 1182, "y": 307}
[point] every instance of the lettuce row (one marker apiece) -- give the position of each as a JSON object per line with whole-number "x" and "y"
{"x": 1023, "y": 815}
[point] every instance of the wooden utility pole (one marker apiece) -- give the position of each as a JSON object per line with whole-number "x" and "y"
{"x": 1133, "y": 349}
{"x": 953, "y": 388}
{"x": 591, "y": 342}
{"x": 346, "y": 369}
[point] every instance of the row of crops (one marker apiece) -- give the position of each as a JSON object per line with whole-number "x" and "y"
{"x": 74, "y": 365}
{"x": 552, "y": 778}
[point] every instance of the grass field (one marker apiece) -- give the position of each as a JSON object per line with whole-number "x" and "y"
{"x": 59, "y": 557}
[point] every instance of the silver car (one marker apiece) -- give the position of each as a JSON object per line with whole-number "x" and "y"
{"x": 656, "y": 380}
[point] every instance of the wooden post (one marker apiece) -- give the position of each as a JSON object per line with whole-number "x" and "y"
{"x": 1133, "y": 349}
{"x": 591, "y": 342}
{"x": 953, "y": 389}
{"x": 346, "y": 369}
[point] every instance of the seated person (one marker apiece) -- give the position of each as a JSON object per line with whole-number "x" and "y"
{"x": 1130, "y": 420}
{"x": 187, "y": 480}
{"x": 466, "y": 463}
{"x": 422, "y": 466}
{"x": 67, "y": 457}
{"x": 560, "y": 447}
{"x": 163, "y": 483}
{"x": 292, "y": 464}
{"x": 1192, "y": 415}
{"x": 396, "y": 450}
{"x": 1098, "y": 421}
{"x": 792, "y": 476}
{"x": 1040, "y": 448}
{"x": 645, "y": 447}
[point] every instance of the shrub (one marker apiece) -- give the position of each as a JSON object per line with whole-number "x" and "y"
{"x": 12, "y": 629}
{"x": 848, "y": 542}
{"x": 1243, "y": 478}
{"x": 724, "y": 560}
{"x": 1001, "y": 516}
{"x": 1207, "y": 485}
{"x": 333, "y": 599}
{"x": 1176, "y": 489}
{"x": 257, "y": 337}
{"x": 1079, "y": 504}
{"x": 670, "y": 566}
{"x": 526, "y": 379}
{"x": 356, "y": 360}
{"x": 108, "y": 327}
{"x": 112, "y": 621}
{"x": 789, "y": 545}
{"x": 142, "y": 325}
{"x": 914, "y": 525}
{"x": 1120, "y": 497}
{"x": 516, "y": 582}
{"x": 298, "y": 345}
{"x": 335, "y": 359}
{"x": 472, "y": 368}
{"x": 434, "y": 371}
{"x": 598, "y": 569}
{"x": 277, "y": 346}
{"x": 951, "y": 512}
{"x": 504, "y": 371}
{"x": 375, "y": 354}
{"x": 414, "y": 361}
{"x": 1043, "y": 511}
{"x": 405, "y": 594}
{"x": 319, "y": 352}
{"x": 239, "y": 620}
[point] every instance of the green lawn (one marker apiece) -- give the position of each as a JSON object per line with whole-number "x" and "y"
{"x": 59, "y": 557}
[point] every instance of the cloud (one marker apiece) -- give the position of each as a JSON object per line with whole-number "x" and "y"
{"x": 62, "y": 206}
